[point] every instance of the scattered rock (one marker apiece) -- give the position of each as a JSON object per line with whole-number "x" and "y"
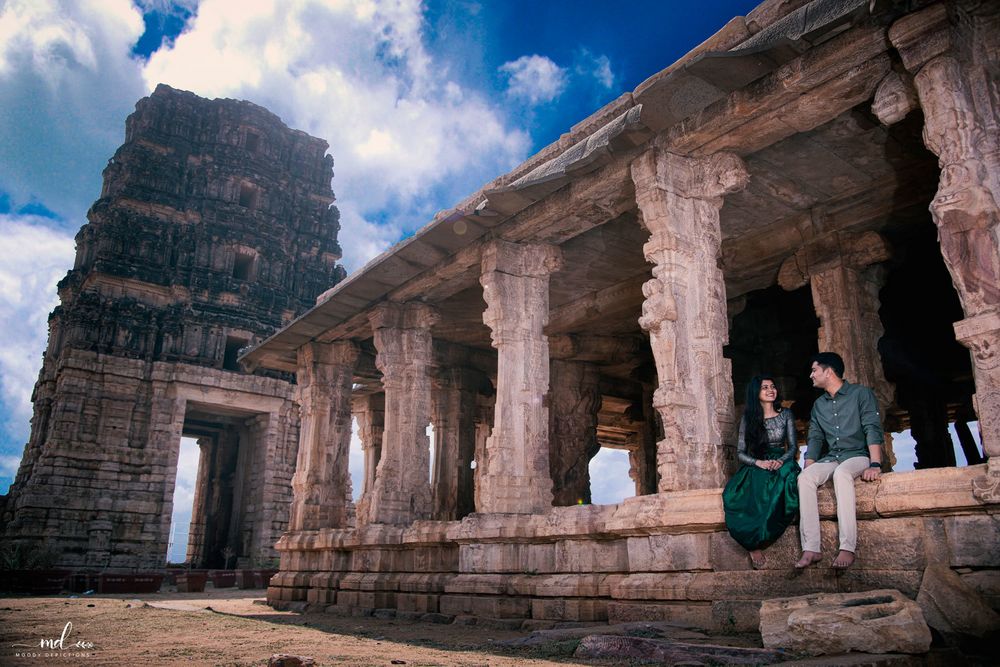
{"x": 284, "y": 660}
{"x": 954, "y": 608}
{"x": 672, "y": 652}
{"x": 880, "y": 621}
{"x": 654, "y": 630}
{"x": 384, "y": 613}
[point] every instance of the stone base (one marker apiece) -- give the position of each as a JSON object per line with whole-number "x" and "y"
{"x": 664, "y": 557}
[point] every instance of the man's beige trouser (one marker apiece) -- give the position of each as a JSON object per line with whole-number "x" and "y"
{"x": 814, "y": 477}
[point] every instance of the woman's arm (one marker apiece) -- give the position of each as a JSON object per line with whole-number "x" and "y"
{"x": 791, "y": 439}
{"x": 741, "y": 447}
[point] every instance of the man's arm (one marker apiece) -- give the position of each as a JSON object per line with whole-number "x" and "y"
{"x": 871, "y": 424}
{"x": 814, "y": 441}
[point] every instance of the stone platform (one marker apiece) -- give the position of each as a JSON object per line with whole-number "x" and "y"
{"x": 658, "y": 557}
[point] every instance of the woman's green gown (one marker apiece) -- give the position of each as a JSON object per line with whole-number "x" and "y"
{"x": 760, "y": 504}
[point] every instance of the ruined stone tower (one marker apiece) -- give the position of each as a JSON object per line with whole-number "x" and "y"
{"x": 214, "y": 228}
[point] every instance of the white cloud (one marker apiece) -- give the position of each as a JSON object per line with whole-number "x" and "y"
{"x": 535, "y": 79}
{"x": 32, "y": 260}
{"x": 406, "y": 139}
{"x": 66, "y": 84}
{"x": 599, "y": 67}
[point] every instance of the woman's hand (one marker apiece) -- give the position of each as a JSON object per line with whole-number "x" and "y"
{"x": 768, "y": 465}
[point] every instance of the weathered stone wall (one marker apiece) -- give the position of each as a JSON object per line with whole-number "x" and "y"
{"x": 213, "y": 229}
{"x": 658, "y": 557}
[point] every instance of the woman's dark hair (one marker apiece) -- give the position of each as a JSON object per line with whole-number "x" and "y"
{"x": 754, "y": 432}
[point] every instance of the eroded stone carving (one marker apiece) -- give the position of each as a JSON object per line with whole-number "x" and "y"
{"x": 514, "y": 475}
{"x": 322, "y": 485}
{"x": 401, "y": 492}
{"x": 575, "y": 401}
{"x": 895, "y": 97}
{"x": 685, "y": 310}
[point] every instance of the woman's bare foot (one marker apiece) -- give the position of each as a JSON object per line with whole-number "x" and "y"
{"x": 757, "y": 560}
{"x": 844, "y": 560}
{"x": 808, "y": 558}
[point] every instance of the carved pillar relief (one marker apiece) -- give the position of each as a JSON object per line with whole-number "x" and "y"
{"x": 685, "y": 311}
{"x": 321, "y": 485}
{"x": 401, "y": 491}
{"x": 454, "y": 401}
{"x": 845, "y": 277}
{"x": 953, "y": 53}
{"x": 575, "y": 400}
{"x": 369, "y": 412}
{"x": 514, "y": 475}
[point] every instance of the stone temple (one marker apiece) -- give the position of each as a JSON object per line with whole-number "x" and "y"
{"x": 816, "y": 176}
{"x": 214, "y": 228}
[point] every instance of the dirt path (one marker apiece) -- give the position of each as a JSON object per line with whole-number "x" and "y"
{"x": 176, "y": 629}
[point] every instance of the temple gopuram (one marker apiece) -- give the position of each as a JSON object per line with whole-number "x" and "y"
{"x": 213, "y": 229}
{"x": 817, "y": 175}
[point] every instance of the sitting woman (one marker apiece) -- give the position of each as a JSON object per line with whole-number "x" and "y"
{"x": 762, "y": 498}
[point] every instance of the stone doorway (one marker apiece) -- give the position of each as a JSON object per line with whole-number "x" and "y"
{"x": 228, "y": 514}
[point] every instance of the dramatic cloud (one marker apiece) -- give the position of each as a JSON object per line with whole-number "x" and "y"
{"x": 66, "y": 84}
{"x": 535, "y": 79}
{"x": 404, "y": 136}
{"x": 27, "y": 295}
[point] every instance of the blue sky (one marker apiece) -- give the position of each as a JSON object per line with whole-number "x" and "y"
{"x": 421, "y": 103}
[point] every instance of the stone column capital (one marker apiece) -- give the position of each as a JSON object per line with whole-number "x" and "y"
{"x": 338, "y": 353}
{"x": 981, "y": 334}
{"x": 409, "y": 315}
{"x": 921, "y": 36}
{"x": 708, "y": 177}
{"x": 847, "y": 250}
{"x": 521, "y": 259}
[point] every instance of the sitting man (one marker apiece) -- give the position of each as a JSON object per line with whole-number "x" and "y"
{"x": 845, "y": 423}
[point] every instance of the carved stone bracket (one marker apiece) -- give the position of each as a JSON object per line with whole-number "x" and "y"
{"x": 986, "y": 489}
{"x": 685, "y": 310}
{"x": 895, "y": 97}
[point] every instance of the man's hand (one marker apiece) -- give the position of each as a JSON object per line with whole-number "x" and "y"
{"x": 871, "y": 474}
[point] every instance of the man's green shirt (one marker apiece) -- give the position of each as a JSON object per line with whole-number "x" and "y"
{"x": 843, "y": 425}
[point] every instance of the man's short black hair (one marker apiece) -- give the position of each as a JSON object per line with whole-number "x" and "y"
{"x": 830, "y": 360}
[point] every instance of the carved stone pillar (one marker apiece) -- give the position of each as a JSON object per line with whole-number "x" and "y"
{"x": 515, "y": 469}
{"x": 575, "y": 400}
{"x": 454, "y": 400}
{"x": 401, "y": 492}
{"x": 953, "y": 53}
{"x": 369, "y": 411}
{"x": 845, "y": 277}
{"x": 642, "y": 461}
{"x": 321, "y": 485}
{"x": 484, "y": 427}
{"x": 685, "y": 311}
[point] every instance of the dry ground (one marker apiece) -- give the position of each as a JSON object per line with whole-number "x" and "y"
{"x": 176, "y": 629}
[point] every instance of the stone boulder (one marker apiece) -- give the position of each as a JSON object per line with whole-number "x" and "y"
{"x": 954, "y": 608}
{"x": 880, "y": 621}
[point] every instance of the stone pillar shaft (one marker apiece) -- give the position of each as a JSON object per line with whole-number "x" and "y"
{"x": 685, "y": 311}
{"x": 575, "y": 402}
{"x": 322, "y": 483}
{"x": 846, "y": 302}
{"x": 401, "y": 491}
{"x": 369, "y": 412}
{"x": 515, "y": 470}
{"x": 454, "y": 444}
{"x": 953, "y": 53}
